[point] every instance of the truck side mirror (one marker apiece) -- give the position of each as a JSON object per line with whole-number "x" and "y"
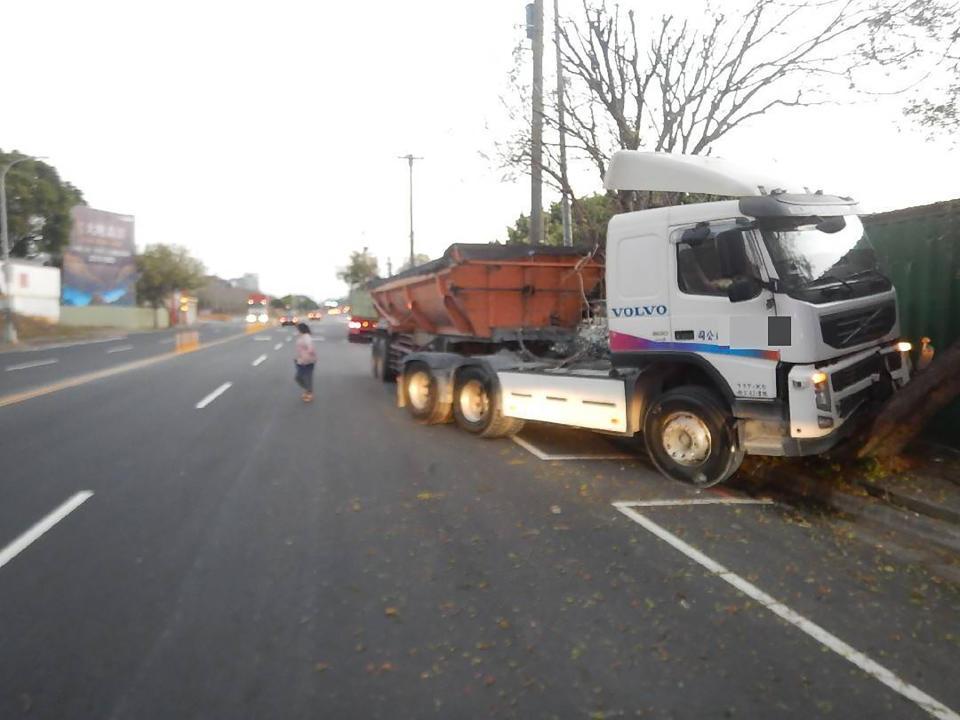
{"x": 743, "y": 287}
{"x": 696, "y": 235}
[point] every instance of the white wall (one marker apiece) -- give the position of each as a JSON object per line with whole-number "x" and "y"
{"x": 36, "y": 289}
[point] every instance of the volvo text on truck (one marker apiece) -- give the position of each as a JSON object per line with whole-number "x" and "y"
{"x": 760, "y": 324}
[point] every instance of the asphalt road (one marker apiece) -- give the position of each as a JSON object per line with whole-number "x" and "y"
{"x": 263, "y": 558}
{"x": 42, "y": 365}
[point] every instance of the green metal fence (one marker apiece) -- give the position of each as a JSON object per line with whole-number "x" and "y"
{"x": 919, "y": 249}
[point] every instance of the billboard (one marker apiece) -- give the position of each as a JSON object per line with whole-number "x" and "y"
{"x": 99, "y": 265}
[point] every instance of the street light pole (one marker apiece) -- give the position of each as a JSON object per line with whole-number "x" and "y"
{"x": 9, "y": 332}
{"x": 410, "y": 158}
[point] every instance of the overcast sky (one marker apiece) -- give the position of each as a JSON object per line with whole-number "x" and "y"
{"x": 264, "y": 135}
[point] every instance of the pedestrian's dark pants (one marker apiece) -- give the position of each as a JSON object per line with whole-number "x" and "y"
{"x": 304, "y": 377}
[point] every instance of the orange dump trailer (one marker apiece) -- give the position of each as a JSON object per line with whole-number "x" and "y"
{"x": 490, "y": 292}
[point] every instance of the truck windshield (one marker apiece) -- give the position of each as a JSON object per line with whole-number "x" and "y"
{"x": 821, "y": 266}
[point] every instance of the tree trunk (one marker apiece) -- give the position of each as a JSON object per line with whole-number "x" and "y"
{"x": 909, "y": 410}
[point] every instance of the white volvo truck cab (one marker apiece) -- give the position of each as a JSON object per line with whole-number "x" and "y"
{"x": 774, "y": 302}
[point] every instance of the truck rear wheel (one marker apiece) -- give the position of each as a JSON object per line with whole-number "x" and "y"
{"x": 380, "y": 359}
{"x": 423, "y": 395}
{"x": 476, "y": 408}
{"x": 689, "y": 437}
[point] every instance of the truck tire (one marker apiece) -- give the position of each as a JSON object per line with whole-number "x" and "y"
{"x": 476, "y": 408}
{"x": 423, "y": 395}
{"x": 690, "y": 436}
{"x": 380, "y": 359}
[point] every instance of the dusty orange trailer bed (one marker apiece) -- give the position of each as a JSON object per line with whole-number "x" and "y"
{"x": 496, "y": 292}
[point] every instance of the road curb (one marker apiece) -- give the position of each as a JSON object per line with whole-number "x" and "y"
{"x": 863, "y": 506}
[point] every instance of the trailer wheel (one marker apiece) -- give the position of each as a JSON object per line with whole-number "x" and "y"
{"x": 380, "y": 359}
{"x": 690, "y": 437}
{"x": 476, "y": 408}
{"x": 423, "y": 395}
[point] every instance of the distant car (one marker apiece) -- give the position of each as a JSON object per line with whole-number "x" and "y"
{"x": 360, "y": 329}
{"x": 289, "y": 320}
{"x": 333, "y": 311}
{"x": 315, "y": 315}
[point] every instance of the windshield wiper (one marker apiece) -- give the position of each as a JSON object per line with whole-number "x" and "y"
{"x": 864, "y": 273}
{"x": 832, "y": 278}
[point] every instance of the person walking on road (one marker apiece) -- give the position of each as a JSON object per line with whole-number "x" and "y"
{"x": 305, "y": 360}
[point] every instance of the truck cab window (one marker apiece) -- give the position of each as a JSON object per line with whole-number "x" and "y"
{"x": 698, "y": 268}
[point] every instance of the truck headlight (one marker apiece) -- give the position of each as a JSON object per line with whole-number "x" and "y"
{"x": 251, "y": 318}
{"x": 263, "y": 317}
{"x": 904, "y": 346}
{"x": 821, "y": 389}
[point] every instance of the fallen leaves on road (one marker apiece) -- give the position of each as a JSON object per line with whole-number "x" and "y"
{"x": 429, "y": 496}
{"x": 391, "y": 612}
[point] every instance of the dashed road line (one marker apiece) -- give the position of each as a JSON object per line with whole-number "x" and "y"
{"x": 537, "y": 452}
{"x": 119, "y": 348}
{"x": 827, "y": 639}
{"x": 34, "y": 533}
{"x": 214, "y": 395}
{"x": 261, "y": 338}
{"x": 28, "y": 365}
{"x": 278, "y": 346}
{"x": 167, "y": 341}
{"x": 259, "y": 360}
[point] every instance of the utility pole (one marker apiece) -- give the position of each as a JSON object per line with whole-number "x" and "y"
{"x": 535, "y": 33}
{"x": 564, "y": 196}
{"x": 389, "y": 268}
{"x": 410, "y": 158}
{"x": 9, "y": 332}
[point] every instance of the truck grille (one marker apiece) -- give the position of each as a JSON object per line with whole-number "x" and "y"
{"x": 842, "y": 379}
{"x": 843, "y": 329}
{"x": 847, "y": 405}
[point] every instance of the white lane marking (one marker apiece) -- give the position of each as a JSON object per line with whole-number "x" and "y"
{"x": 534, "y": 450}
{"x": 321, "y": 338}
{"x": 869, "y": 666}
{"x": 259, "y": 360}
{"x": 27, "y": 365}
{"x": 278, "y": 346}
{"x": 33, "y": 534}
{"x": 261, "y": 338}
{"x": 693, "y": 501}
{"x": 214, "y": 395}
{"x": 119, "y": 348}
{"x": 168, "y": 341}
{"x": 289, "y": 339}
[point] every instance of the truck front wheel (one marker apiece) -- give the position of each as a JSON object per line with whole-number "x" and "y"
{"x": 690, "y": 437}
{"x": 475, "y": 406}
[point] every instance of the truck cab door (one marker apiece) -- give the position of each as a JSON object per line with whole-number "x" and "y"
{"x": 707, "y": 260}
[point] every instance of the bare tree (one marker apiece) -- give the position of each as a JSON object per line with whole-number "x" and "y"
{"x": 683, "y": 86}
{"x": 920, "y": 39}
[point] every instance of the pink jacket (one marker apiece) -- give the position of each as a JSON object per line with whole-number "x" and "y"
{"x": 306, "y": 355}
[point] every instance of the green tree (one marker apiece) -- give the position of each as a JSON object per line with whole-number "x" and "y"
{"x": 362, "y": 268}
{"x": 589, "y": 222}
{"x": 38, "y": 207}
{"x": 164, "y": 269}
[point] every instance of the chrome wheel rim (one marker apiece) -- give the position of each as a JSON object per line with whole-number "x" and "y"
{"x": 686, "y": 439}
{"x": 474, "y": 401}
{"x": 418, "y": 390}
